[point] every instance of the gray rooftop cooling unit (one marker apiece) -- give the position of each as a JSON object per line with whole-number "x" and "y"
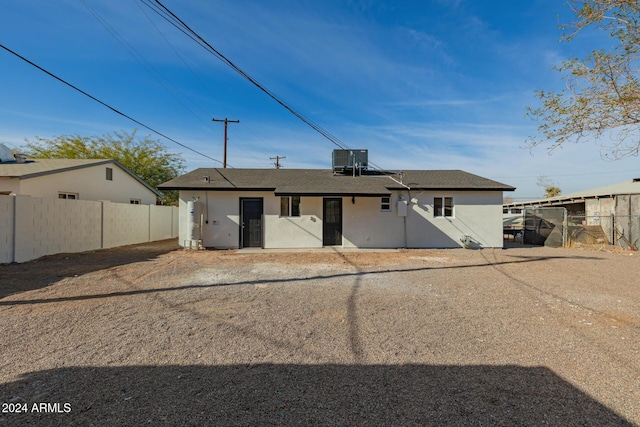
{"x": 346, "y": 160}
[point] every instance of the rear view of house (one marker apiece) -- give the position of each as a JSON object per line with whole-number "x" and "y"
{"x": 353, "y": 207}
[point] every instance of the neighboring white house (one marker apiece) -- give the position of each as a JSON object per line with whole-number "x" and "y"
{"x": 84, "y": 179}
{"x": 302, "y": 208}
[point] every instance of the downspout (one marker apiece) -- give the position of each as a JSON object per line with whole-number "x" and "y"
{"x": 404, "y": 218}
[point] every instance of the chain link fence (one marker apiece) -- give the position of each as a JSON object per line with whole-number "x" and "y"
{"x": 625, "y": 231}
{"x": 618, "y": 230}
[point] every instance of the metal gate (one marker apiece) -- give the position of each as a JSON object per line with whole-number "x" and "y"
{"x": 545, "y": 227}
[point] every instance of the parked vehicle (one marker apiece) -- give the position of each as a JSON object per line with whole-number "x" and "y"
{"x": 512, "y": 224}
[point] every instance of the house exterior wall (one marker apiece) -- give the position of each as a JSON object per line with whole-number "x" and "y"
{"x": 220, "y": 212}
{"x": 89, "y": 183}
{"x": 304, "y": 231}
{"x": 476, "y": 213}
{"x": 364, "y": 225}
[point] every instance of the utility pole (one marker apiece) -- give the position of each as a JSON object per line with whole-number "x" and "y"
{"x": 277, "y": 159}
{"x": 226, "y": 121}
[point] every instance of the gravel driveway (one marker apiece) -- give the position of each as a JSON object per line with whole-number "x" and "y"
{"x": 151, "y": 335}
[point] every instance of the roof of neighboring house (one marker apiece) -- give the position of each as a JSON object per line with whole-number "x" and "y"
{"x": 323, "y": 182}
{"x": 33, "y": 168}
{"x": 626, "y": 187}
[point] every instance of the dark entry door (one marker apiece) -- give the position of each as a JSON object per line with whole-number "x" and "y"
{"x": 332, "y": 222}
{"x": 251, "y": 223}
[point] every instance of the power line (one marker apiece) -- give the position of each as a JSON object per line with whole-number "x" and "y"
{"x": 142, "y": 61}
{"x": 166, "y": 14}
{"x": 193, "y": 73}
{"x": 105, "y": 104}
{"x": 172, "y": 18}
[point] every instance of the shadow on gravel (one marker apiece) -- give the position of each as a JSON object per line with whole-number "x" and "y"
{"x": 15, "y": 278}
{"x": 331, "y": 395}
{"x": 353, "y": 319}
{"x": 351, "y": 303}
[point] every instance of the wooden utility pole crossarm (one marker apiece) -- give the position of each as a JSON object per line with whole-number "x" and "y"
{"x": 225, "y": 121}
{"x": 277, "y": 160}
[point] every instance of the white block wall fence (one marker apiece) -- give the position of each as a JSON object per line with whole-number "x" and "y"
{"x": 31, "y": 227}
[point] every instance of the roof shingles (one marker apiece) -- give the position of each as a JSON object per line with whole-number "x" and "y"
{"x": 325, "y": 182}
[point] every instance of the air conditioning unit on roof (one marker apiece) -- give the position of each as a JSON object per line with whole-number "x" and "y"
{"x": 347, "y": 160}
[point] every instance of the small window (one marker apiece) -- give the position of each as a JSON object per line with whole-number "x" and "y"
{"x": 134, "y": 201}
{"x": 290, "y": 206}
{"x": 68, "y": 196}
{"x": 443, "y": 206}
{"x": 385, "y": 204}
{"x": 109, "y": 174}
{"x": 284, "y": 206}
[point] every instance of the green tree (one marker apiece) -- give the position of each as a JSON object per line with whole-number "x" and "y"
{"x": 145, "y": 157}
{"x": 602, "y": 98}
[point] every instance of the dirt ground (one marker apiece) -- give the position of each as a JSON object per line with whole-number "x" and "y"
{"x": 154, "y": 335}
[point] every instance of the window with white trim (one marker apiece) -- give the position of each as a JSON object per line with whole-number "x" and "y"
{"x": 443, "y": 206}
{"x": 134, "y": 201}
{"x": 290, "y": 206}
{"x": 109, "y": 174}
{"x": 385, "y": 204}
{"x": 68, "y": 196}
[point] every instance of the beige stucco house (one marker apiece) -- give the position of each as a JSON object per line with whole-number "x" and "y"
{"x": 302, "y": 208}
{"x": 84, "y": 179}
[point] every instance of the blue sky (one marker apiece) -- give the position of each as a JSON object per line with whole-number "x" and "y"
{"x": 440, "y": 84}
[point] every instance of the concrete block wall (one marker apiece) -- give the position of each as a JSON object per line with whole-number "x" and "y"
{"x": 175, "y": 221}
{"x": 32, "y": 227}
{"x": 51, "y": 226}
{"x": 161, "y": 223}
{"x": 124, "y": 224}
{"x": 7, "y": 206}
